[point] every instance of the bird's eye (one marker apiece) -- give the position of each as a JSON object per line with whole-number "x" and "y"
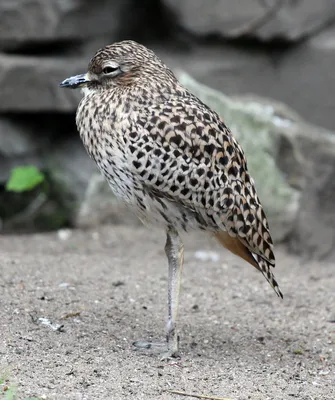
{"x": 109, "y": 70}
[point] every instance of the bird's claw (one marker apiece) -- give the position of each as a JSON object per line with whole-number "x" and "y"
{"x": 160, "y": 348}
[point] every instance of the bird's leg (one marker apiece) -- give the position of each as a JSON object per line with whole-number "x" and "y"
{"x": 174, "y": 250}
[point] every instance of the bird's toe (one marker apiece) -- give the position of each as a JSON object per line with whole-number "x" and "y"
{"x": 160, "y": 348}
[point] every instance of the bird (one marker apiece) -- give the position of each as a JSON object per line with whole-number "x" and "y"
{"x": 172, "y": 160}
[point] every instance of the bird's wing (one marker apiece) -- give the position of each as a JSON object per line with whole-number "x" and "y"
{"x": 191, "y": 157}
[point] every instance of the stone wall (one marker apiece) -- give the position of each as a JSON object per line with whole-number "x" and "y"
{"x": 280, "y": 49}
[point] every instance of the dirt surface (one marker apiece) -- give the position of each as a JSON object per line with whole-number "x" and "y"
{"x": 108, "y": 288}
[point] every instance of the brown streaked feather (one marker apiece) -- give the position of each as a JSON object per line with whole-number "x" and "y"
{"x": 169, "y": 156}
{"x": 235, "y": 245}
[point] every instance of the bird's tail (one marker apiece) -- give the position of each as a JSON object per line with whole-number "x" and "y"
{"x": 265, "y": 267}
{"x": 235, "y": 245}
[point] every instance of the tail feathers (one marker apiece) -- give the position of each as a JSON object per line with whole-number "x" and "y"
{"x": 234, "y": 245}
{"x": 265, "y": 268}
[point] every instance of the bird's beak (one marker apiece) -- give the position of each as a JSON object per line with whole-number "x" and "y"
{"x": 75, "y": 82}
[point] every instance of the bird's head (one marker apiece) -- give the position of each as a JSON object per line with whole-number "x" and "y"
{"x": 123, "y": 64}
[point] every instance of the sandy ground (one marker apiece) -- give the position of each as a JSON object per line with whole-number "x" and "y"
{"x": 107, "y": 288}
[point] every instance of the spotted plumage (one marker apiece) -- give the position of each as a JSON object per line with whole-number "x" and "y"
{"x": 167, "y": 155}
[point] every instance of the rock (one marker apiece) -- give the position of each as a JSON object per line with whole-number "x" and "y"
{"x": 232, "y": 70}
{"x": 30, "y": 84}
{"x": 28, "y": 22}
{"x": 305, "y": 79}
{"x": 314, "y": 229}
{"x": 273, "y": 158}
{"x": 288, "y": 20}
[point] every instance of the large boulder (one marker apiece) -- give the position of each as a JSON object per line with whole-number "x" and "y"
{"x": 304, "y": 78}
{"x": 314, "y": 230}
{"x": 288, "y": 20}
{"x": 25, "y": 23}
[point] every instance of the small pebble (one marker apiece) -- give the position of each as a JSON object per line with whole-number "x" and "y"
{"x": 204, "y": 255}
{"x": 64, "y": 234}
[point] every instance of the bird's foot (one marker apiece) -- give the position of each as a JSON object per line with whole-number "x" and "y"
{"x": 163, "y": 349}
{"x": 169, "y": 354}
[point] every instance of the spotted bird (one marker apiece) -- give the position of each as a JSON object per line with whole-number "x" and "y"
{"x": 171, "y": 159}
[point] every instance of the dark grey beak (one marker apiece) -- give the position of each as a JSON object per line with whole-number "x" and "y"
{"x": 75, "y": 82}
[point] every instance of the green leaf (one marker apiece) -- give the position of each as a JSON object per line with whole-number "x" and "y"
{"x": 24, "y": 178}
